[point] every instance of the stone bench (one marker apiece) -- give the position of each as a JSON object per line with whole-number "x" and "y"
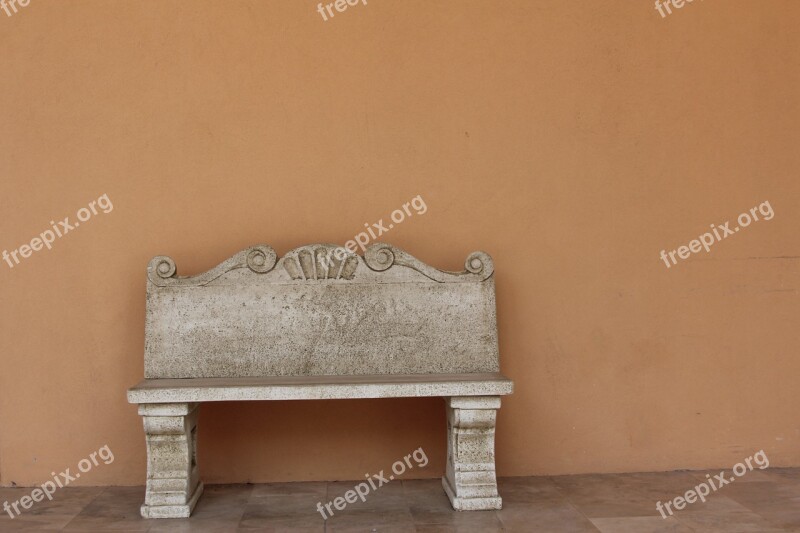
{"x": 319, "y": 323}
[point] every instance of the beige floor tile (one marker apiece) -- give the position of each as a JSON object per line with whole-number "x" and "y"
{"x": 317, "y": 489}
{"x": 788, "y": 475}
{"x": 608, "y": 503}
{"x": 369, "y": 519}
{"x": 425, "y": 528}
{"x": 447, "y": 517}
{"x": 529, "y": 489}
{"x": 114, "y": 509}
{"x": 729, "y": 522}
{"x": 543, "y": 516}
{"x": 50, "y": 522}
{"x": 639, "y": 524}
{"x": 623, "y": 495}
{"x": 266, "y": 517}
{"x": 389, "y": 496}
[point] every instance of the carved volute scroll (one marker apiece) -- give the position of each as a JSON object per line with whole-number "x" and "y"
{"x": 320, "y": 262}
{"x": 381, "y": 256}
{"x": 162, "y": 272}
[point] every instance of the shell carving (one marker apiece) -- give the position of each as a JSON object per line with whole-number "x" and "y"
{"x": 322, "y": 262}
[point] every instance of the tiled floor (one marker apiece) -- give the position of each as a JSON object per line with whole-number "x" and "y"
{"x": 760, "y": 501}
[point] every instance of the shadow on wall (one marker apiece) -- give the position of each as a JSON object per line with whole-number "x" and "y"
{"x": 382, "y": 431}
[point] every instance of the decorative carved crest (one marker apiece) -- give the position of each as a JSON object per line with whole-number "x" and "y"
{"x": 320, "y": 262}
{"x": 261, "y": 258}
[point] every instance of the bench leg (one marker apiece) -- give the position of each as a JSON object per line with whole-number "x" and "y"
{"x": 470, "y": 480}
{"x": 173, "y": 477}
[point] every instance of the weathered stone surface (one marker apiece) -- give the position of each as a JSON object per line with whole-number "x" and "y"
{"x": 470, "y": 481}
{"x": 255, "y": 315}
{"x": 317, "y": 325}
{"x": 173, "y": 477}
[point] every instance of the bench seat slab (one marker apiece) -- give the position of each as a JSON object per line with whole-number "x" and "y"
{"x": 318, "y": 387}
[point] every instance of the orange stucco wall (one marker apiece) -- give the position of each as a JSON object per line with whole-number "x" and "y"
{"x": 573, "y": 141}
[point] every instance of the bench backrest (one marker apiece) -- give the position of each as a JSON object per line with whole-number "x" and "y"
{"x": 320, "y": 310}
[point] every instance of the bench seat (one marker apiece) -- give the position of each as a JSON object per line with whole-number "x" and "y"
{"x": 318, "y": 387}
